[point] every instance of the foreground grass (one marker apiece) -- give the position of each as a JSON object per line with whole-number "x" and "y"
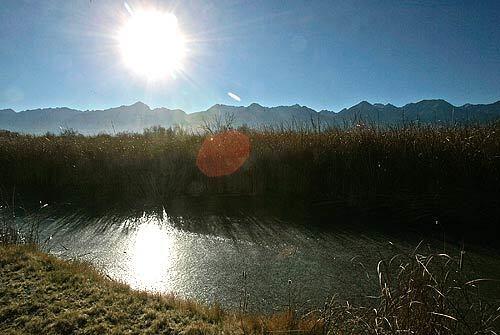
{"x": 40, "y": 294}
{"x": 418, "y": 295}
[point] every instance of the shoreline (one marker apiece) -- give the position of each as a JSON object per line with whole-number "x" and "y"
{"x": 44, "y": 294}
{"x": 41, "y": 293}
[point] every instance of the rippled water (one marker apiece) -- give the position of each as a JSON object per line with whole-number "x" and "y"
{"x": 204, "y": 256}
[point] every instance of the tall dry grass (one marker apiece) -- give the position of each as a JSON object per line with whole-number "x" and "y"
{"x": 282, "y": 161}
{"x": 15, "y": 231}
{"x": 419, "y": 293}
{"x": 456, "y": 168}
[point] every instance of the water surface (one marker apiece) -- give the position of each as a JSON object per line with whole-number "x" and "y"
{"x": 275, "y": 259}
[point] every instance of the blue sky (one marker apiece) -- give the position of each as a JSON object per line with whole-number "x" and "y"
{"x": 323, "y": 54}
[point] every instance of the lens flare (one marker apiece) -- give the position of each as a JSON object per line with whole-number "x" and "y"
{"x": 223, "y": 154}
{"x": 234, "y": 96}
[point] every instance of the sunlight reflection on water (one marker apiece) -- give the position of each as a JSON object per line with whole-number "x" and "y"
{"x": 155, "y": 253}
{"x": 152, "y": 255}
{"x": 204, "y": 258}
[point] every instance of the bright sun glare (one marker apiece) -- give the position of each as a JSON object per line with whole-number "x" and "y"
{"x": 151, "y": 44}
{"x": 152, "y": 255}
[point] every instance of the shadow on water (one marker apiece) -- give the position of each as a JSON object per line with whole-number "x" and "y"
{"x": 201, "y": 247}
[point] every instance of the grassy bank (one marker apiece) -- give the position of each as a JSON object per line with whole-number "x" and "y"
{"x": 42, "y": 294}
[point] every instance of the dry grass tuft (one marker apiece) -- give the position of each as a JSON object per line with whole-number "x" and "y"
{"x": 419, "y": 294}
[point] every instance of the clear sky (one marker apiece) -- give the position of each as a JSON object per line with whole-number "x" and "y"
{"x": 323, "y": 54}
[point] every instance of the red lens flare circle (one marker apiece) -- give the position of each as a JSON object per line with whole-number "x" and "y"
{"x": 223, "y": 154}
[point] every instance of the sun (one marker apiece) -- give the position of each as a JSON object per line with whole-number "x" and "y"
{"x": 151, "y": 44}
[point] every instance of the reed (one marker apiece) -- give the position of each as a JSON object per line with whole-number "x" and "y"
{"x": 455, "y": 168}
{"x": 281, "y": 161}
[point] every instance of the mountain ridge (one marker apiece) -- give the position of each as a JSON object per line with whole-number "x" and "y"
{"x": 137, "y": 116}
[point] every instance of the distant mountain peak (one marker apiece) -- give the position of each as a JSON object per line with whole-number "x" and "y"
{"x": 219, "y": 106}
{"x": 363, "y": 104}
{"x": 140, "y": 104}
{"x": 434, "y": 101}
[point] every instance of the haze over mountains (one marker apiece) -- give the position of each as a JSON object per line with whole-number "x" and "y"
{"x": 137, "y": 117}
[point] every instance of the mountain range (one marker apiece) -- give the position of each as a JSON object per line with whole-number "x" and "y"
{"x": 138, "y": 116}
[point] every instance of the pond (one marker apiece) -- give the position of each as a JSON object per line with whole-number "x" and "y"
{"x": 269, "y": 258}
